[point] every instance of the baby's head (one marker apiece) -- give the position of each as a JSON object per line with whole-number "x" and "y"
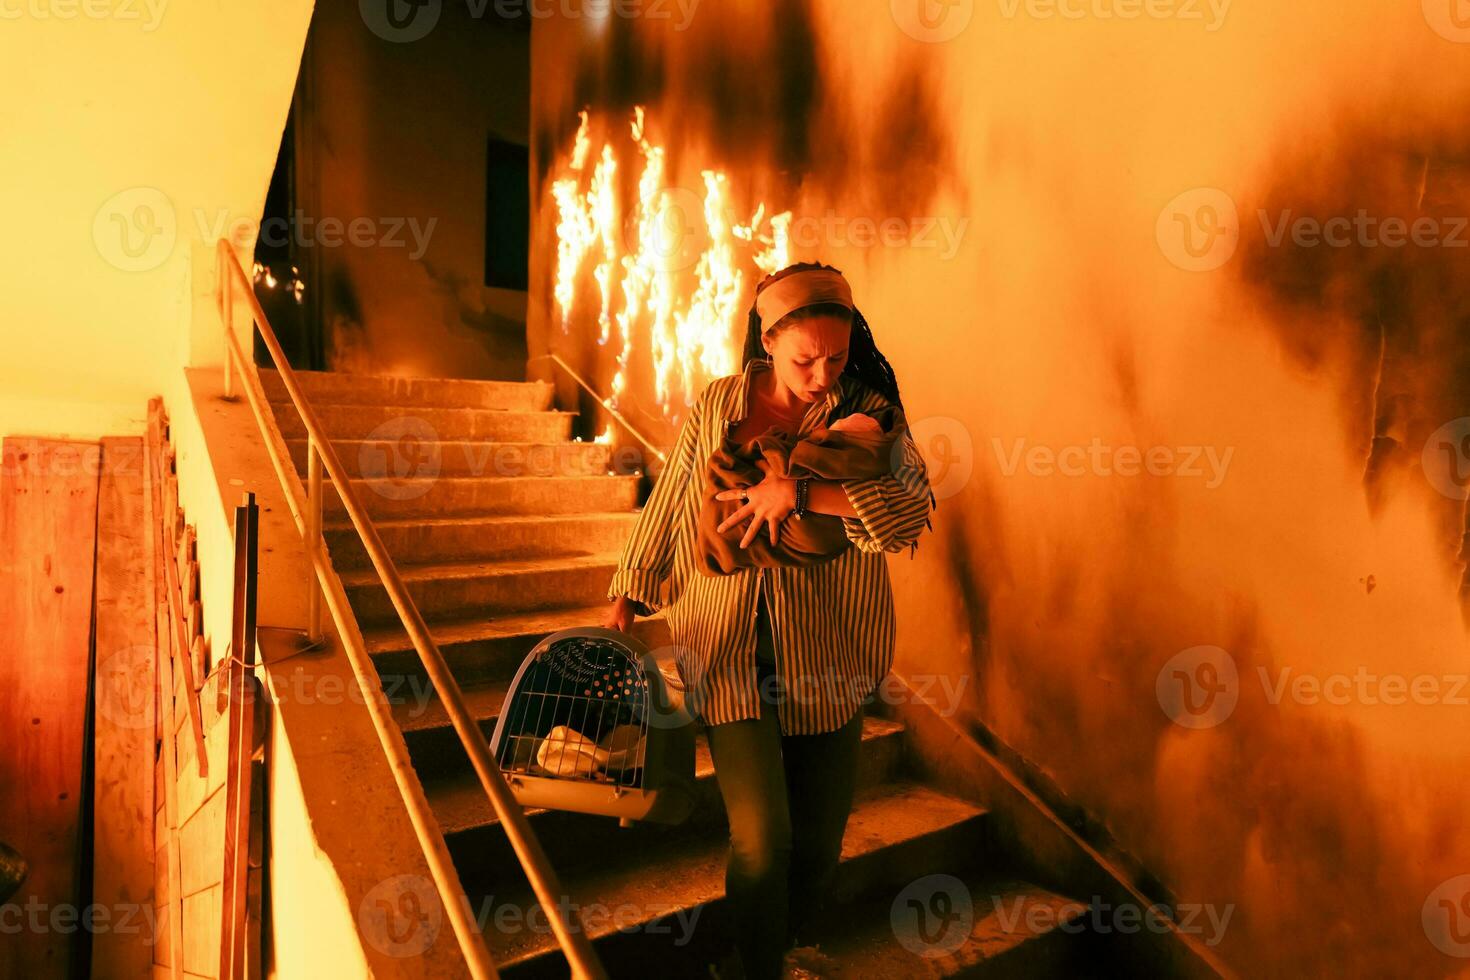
{"x": 857, "y": 422}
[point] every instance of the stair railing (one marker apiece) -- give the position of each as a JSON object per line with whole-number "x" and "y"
{"x": 306, "y": 508}
{"x": 604, "y": 402}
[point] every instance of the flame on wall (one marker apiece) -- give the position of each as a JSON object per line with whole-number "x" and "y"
{"x": 670, "y": 263}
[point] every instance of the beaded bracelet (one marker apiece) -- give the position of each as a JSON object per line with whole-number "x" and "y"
{"x": 801, "y": 498}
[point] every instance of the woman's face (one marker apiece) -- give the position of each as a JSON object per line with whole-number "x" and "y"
{"x": 808, "y": 356}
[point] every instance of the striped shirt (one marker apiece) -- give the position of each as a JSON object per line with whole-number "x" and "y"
{"x": 832, "y": 623}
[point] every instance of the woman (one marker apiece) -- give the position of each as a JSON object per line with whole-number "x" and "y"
{"x": 777, "y": 661}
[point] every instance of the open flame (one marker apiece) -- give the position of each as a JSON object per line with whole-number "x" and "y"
{"x": 683, "y": 274}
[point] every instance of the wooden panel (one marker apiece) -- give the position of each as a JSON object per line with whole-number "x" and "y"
{"x": 163, "y": 950}
{"x": 201, "y": 842}
{"x": 123, "y": 702}
{"x": 193, "y": 790}
{"x": 201, "y": 933}
{"x": 171, "y": 924}
{"x": 161, "y": 874}
{"x": 48, "y": 529}
{"x": 158, "y": 823}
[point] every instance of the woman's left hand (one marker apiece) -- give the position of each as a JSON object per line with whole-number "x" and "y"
{"x": 769, "y": 502}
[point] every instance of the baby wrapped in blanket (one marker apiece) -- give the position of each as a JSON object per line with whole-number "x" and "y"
{"x": 856, "y": 447}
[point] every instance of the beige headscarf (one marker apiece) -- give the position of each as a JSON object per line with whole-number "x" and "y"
{"x": 806, "y": 288}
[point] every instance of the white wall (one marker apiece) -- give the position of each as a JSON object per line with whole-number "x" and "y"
{"x": 162, "y": 117}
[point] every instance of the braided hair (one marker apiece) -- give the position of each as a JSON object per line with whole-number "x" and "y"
{"x": 864, "y": 361}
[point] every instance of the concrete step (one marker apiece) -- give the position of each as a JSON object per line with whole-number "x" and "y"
{"x": 331, "y": 387}
{"x": 378, "y": 458}
{"x": 482, "y": 648}
{"x": 1018, "y": 931}
{"x": 482, "y": 851}
{"x": 899, "y": 833}
{"x": 409, "y": 426}
{"x": 417, "y": 540}
{"x": 478, "y": 588}
{"x": 458, "y": 496}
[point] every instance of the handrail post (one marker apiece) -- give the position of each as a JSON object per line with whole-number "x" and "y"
{"x": 313, "y": 540}
{"x": 227, "y": 315}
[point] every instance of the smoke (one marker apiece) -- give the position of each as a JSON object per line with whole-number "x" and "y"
{"x": 1074, "y": 319}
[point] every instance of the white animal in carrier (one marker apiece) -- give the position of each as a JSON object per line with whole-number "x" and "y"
{"x": 589, "y": 725}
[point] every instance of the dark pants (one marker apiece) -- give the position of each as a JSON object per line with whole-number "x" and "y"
{"x": 787, "y": 798}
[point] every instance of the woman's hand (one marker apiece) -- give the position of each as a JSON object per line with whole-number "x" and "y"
{"x": 769, "y": 501}
{"x": 620, "y": 615}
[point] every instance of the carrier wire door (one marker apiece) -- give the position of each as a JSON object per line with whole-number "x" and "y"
{"x": 589, "y": 725}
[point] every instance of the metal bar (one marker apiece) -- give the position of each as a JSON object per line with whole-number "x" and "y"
{"x": 240, "y": 718}
{"x": 544, "y": 882}
{"x": 313, "y": 539}
{"x": 227, "y": 313}
{"x": 662, "y": 457}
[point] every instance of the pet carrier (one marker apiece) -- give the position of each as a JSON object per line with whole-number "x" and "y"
{"x": 589, "y": 725}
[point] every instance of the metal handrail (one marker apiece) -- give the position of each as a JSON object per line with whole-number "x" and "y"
{"x": 604, "y": 402}
{"x": 306, "y": 509}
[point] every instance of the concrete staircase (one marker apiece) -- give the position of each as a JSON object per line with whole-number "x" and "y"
{"x": 506, "y": 530}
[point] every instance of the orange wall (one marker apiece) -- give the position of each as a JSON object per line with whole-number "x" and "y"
{"x": 1063, "y": 596}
